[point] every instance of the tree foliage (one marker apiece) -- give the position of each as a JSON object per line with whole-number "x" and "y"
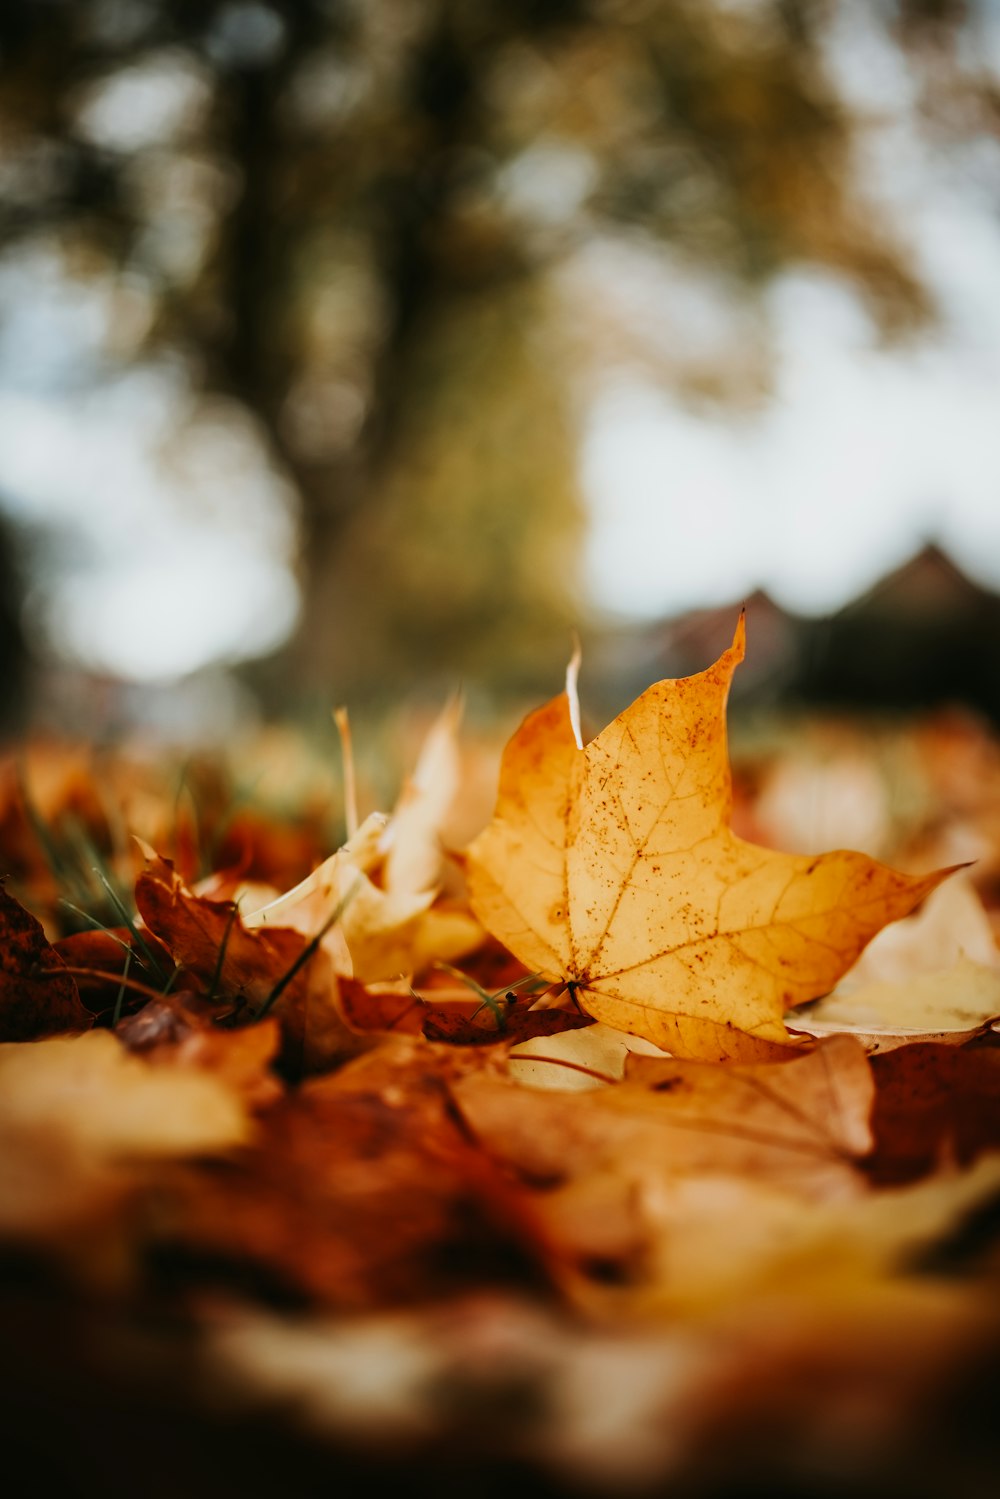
{"x": 348, "y": 220}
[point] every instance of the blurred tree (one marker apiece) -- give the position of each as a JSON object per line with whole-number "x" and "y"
{"x": 13, "y": 654}
{"x": 347, "y": 216}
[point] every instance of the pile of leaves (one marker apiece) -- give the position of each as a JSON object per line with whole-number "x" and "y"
{"x": 620, "y": 1146}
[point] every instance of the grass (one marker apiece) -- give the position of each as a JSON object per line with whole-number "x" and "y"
{"x": 492, "y": 1002}
{"x": 310, "y": 948}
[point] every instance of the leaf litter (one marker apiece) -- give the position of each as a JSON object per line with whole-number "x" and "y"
{"x": 603, "y": 1140}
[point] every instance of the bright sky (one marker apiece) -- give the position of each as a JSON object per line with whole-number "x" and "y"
{"x": 177, "y": 537}
{"x": 859, "y": 457}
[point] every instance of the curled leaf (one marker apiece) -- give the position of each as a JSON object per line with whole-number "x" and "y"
{"x": 950, "y": 1007}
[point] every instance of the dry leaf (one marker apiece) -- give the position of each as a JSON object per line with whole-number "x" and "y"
{"x": 577, "y": 1059}
{"x": 517, "y": 1023}
{"x": 92, "y": 1088}
{"x": 361, "y": 1190}
{"x": 695, "y": 1242}
{"x": 386, "y": 878}
{"x": 412, "y": 839}
{"x": 78, "y": 1112}
{"x": 801, "y": 1123}
{"x": 244, "y": 968}
{"x": 168, "y": 1033}
{"x": 36, "y": 997}
{"x": 614, "y": 868}
{"x": 381, "y": 934}
{"x": 950, "y": 1007}
{"x": 933, "y": 1104}
{"x": 952, "y": 924}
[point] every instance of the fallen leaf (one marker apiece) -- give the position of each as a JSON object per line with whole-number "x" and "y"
{"x": 381, "y": 1007}
{"x": 412, "y": 841}
{"x": 934, "y": 1104}
{"x": 801, "y": 1123}
{"x": 98, "y": 948}
{"x": 381, "y": 934}
{"x": 614, "y": 868}
{"x": 36, "y": 997}
{"x": 248, "y": 970}
{"x": 461, "y": 1020}
{"x": 78, "y": 1113}
{"x": 168, "y": 1033}
{"x": 694, "y": 1243}
{"x": 951, "y": 925}
{"x": 577, "y": 1059}
{"x": 361, "y": 1190}
{"x": 789, "y": 1241}
{"x": 518, "y": 1023}
{"x": 950, "y": 1007}
{"x": 92, "y": 1088}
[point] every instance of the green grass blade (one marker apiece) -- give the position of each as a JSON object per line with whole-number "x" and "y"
{"x": 221, "y": 958}
{"x": 121, "y": 990}
{"x": 127, "y": 919}
{"x": 489, "y": 1001}
{"x": 310, "y": 948}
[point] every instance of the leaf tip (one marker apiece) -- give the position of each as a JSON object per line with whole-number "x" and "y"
{"x": 147, "y": 850}
{"x": 739, "y": 645}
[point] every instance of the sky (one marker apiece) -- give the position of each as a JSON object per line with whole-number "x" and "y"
{"x": 856, "y": 459}
{"x": 175, "y": 537}
{"x": 861, "y": 454}
{"x": 164, "y": 510}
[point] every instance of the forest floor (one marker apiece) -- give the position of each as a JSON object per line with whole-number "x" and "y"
{"x": 312, "y": 1177}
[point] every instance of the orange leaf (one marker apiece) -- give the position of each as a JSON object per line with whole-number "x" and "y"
{"x": 614, "y": 868}
{"x": 210, "y": 941}
{"x": 800, "y": 1123}
{"x": 362, "y": 1190}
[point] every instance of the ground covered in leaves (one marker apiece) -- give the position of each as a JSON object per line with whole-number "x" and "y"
{"x": 632, "y": 1128}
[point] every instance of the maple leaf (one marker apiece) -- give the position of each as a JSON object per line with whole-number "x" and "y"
{"x": 614, "y": 868}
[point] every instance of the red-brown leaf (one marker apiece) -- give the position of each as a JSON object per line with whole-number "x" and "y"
{"x": 36, "y": 997}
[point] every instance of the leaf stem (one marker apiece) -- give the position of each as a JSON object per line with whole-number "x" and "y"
{"x": 106, "y": 977}
{"x": 602, "y": 1077}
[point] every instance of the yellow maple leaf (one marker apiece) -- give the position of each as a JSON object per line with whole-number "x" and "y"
{"x": 613, "y": 868}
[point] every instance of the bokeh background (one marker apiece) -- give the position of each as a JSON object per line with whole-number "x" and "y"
{"x": 355, "y": 351}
